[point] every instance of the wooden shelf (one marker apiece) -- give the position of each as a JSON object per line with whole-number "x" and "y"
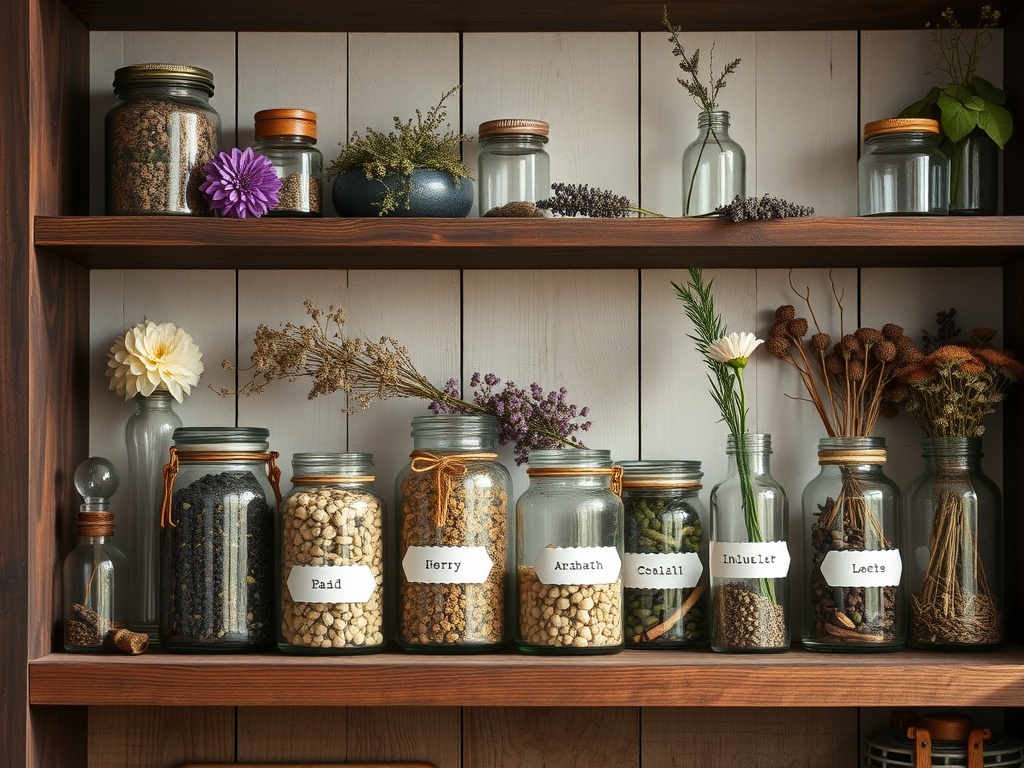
{"x": 165, "y": 242}
{"x": 632, "y": 678}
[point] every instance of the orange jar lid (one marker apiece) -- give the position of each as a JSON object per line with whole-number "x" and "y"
{"x": 513, "y": 126}
{"x": 285, "y": 122}
{"x": 900, "y": 125}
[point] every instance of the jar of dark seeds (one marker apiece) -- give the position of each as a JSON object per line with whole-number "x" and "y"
{"x": 665, "y": 561}
{"x": 569, "y": 545}
{"x": 453, "y": 537}
{"x": 330, "y": 547}
{"x": 217, "y": 540}
{"x": 159, "y": 137}
{"x": 286, "y": 137}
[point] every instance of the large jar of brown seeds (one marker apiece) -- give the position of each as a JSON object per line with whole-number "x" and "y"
{"x": 453, "y": 537}
{"x": 159, "y": 137}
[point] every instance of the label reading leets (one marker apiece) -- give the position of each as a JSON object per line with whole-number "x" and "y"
{"x": 446, "y": 565}
{"x": 749, "y": 560}
{"x": 866, "y": 568}
{"x": 331, "y": 583}
{"x": 578, "y": 565}
{"x": 676, "y": 570}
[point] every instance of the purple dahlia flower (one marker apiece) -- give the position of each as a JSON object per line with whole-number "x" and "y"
{"x": 240, "y": 184}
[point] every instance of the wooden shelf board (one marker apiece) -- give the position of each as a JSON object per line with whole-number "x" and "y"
{"x": 165, "y": 242}
{"x": 633, "y": 678}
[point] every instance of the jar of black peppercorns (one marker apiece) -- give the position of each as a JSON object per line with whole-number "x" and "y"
{"x": 217, "y": 540}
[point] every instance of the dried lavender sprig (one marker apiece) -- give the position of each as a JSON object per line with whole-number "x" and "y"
{"x": 582, "y": 200}
{"x": 759, "y": 209}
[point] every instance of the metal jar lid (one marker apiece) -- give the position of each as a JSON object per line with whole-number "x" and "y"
{"x": 900, "y": 125}
{"x": 164, "y": 74}
{"x": 285, "y": 122}
{"x": 515, "y": 126}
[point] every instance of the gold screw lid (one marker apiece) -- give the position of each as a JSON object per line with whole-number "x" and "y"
{"x": 900, "y": 125}
{"x": 514, "y": 126}
{"x": 285, "y": 122}
{"x": 164, "y": 74}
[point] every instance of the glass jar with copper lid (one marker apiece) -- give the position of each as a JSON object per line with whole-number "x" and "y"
{"x": 513, "y": 165}
{"x": 286, "y": 137}
{"x": 903, "y": 172}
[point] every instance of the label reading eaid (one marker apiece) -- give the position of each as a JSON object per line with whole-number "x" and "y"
{"x": 676, "y": 570}
{"x": 447, "y": 565}
{"x": 578, "y": 565}
{"x": 331, "y": 583}
{"x": 749, "y": 559}
{"x": 864, "y": 568}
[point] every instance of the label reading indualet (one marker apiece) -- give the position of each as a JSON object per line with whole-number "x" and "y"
{"x": 676, "y": 570}
{"x": 578, "y": 565}
{"x": 331, "y": 583}
{"x": 447, "y": 565}
{"x": 749, "y": 560}
{"x": 866, "y": 568}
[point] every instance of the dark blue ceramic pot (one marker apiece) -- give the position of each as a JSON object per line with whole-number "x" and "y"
{"x": 433, "y": 194}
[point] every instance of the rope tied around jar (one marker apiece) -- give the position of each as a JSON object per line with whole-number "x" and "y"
{"x": 171, "y": 472}
{"x": 447, "y": 468}
{"x": 615, "y": 473}
{"x": 867, "y": 456}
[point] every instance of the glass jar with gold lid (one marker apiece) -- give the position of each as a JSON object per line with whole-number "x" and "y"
{"x": 903, "y": 172}
{"x": 513, "y": 165}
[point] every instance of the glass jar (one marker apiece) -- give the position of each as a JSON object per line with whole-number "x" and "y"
{"x": 160, "y": 135}
{"x": 513, "y": 165}
{"x": 902, "y": 171}
{"x": 330, "y": 549}
{"x": 749, "y": 555}
{"x": 95, "y": 572}
{"x": 217, "y": 540}
{"x": 665, "y": 561}
{"x": 569, "y": 545}
{"x": 852, "y": 597}
{"x": 286, "y": 138}
{"x": 714, "y": 166}
{"x": 453, "y": 537}
{"x": 955, "y": 570}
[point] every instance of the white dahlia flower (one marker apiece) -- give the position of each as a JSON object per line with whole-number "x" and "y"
{"x": 734, "y": 349}
{"x": 150, "y": 357}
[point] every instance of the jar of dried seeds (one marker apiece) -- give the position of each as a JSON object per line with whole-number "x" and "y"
{"x": 159, "y": 137}
{"x": 665, "y": 562}
{"x": 330, "y": 547}
{"x": 286, "y": 137}
{"x": 217, "y": 540}
{"x": 453, "y": 537}
{"x": 569, "y": 546}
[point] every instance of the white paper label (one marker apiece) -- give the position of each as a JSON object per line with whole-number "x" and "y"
{"x": 578, "y": 565}
{"x": 677, "y": 570}
{"x": 866, "y": 568}
{"x": 331, "y": 583}
{"x": 749, "y": 560}
{"x": 447, "y": 565}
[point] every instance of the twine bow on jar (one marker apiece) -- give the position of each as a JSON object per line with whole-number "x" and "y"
{"x": 447, "y": 469}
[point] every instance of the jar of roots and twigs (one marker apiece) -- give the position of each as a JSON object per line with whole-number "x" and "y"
{"x": 954, "y": 577}
{"x": 853, "y": 598}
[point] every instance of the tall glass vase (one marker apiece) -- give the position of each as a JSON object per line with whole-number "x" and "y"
{"x": 148, "y": 437}
{"x": 714, "y": 166}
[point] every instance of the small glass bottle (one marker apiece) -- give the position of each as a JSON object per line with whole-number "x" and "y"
{"x": 95, "y": 572}
{"x": 453, "y": 537}
{"x": 714, "y": 166}
{"x": 902, "y": 171}
{"x": 665, "y": 562}
{"x": 853, "y": 600}
{"x": 749, "y": 555}
{"x": 569, "y": 546}
{"x": 330, "y": 548}
{"x": 159, "y": 137}
{"x": 955, "y": 569}
{"x": 217, "y": 540}
{"x": 513, "y": 165}
{"x": 286, "y": 137}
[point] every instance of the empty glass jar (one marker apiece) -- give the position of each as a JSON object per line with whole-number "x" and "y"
{"x": 902, "y": 171}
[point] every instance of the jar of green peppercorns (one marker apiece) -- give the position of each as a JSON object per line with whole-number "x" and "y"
{"x": 665, "y": 560}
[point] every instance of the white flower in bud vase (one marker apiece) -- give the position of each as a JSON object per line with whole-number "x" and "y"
{"x": 150, "y": 357}
{"x": 733, "y": 349}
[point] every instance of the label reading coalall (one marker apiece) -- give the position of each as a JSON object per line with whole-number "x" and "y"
{"x": 331, "y": 583}
{"x": 866, "y": 568}
{"x": 677, "y": 570}
{"x": 578, "y": 565}
{"x": 446, "y": 565}
{"x": 749, "y": 560}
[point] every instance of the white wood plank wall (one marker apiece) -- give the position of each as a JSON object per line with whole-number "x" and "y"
{"x": 617, "y": 338}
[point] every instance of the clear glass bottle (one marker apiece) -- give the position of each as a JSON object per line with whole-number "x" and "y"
{"x": 148, "y": 437}
{"x": 955, "y": 568}
{"x": 160, "y": 135}
{"x": 513, "y": 165}
{"x": 853, "y": 598}
{"x": 217, "y": 540}
{"x": 749, "y": 554}
{"x": 665, "y": 563}
{"x": 453, "y": 547}
{"x": 714, "y": 166}
{"x": 95, "y": 572}
{"x": 286, "y": 137}
{"x": 330, "y": 549}
{"x": 902, "y": 171}
{"x": 569, "y": 547}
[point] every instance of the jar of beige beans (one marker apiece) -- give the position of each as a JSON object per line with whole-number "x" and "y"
{"x": 569, "y": 543}
{"x": 330, "y": 550}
